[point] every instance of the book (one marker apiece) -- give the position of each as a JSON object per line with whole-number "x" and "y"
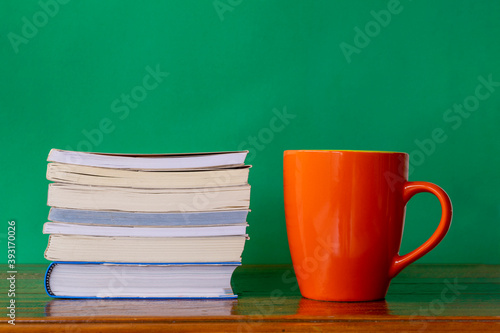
{"x": 89, "y": 197}
{"x": 132, "y": 231}
{"x": 149, "y": 161}
{"x": 94, "y": 217}
{"x": 114, "y": 280}
{"x": 98, "y": 176}
{"x": 145, "y": 249}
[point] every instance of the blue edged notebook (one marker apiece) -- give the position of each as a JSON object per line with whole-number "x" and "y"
{"x": 140, "y": 280}
{"x": 96, "y": 217}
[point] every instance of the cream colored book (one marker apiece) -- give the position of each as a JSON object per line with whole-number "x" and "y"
{"x": 145, "y": 249}
{"x": 88, "y": 175}
{"x": 62, "y": 195}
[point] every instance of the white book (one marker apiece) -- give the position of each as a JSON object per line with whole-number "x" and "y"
{"x": 150, "y": 161}
{"x": 54, "y": 228}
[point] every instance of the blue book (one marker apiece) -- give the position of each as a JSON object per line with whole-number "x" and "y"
{"x": 140, "y": 280}
{"x": 147, "y": 219}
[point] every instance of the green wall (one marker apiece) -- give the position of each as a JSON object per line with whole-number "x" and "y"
{"x": 233, "y": 67}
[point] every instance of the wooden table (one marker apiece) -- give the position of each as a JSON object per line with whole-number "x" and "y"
{"x": 422, "y": 298}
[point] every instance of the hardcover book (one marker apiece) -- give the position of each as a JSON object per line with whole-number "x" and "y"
{"x": 113, "y": 280}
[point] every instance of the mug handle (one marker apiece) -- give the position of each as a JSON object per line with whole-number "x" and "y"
{"x": 410, "y": 189}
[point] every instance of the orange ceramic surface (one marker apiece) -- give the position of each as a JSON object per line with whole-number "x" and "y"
{"x": 344, "y": 215}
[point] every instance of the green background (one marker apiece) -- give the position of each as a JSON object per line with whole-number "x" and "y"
{"x": 229, "y": 70}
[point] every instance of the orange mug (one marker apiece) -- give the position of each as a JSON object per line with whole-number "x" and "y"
{"x": 344, "y": 217}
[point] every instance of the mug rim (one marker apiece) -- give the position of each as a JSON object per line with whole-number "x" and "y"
{"x": 342, "y": 151}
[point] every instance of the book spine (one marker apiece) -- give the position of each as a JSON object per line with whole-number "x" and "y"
{"x": 212, "y": 263}
{"x": 47, "y": 278}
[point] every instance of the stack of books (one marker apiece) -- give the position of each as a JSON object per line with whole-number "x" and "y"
{"x": 147, "y": 226}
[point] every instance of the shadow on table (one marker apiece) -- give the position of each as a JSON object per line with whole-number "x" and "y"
{"x": 299, "y": 306}
{"x": 309, "y": 307}
{"x": 139, "y": 308}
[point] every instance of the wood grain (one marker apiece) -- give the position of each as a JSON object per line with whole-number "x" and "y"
{"x": 422, "y": 298}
